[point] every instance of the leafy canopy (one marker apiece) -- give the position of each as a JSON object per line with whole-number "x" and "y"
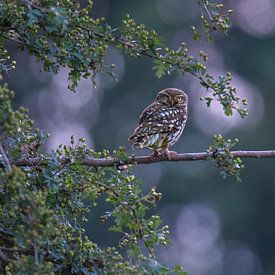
{"x": 62, "y": 34}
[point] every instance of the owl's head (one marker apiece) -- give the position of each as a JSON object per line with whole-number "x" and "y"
{"x": 172, "y": 97}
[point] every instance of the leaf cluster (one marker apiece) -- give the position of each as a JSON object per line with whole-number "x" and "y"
{"x": 214, "y": 17}
{"x": 226, "y": 163}
{"x": 225, "y": 94}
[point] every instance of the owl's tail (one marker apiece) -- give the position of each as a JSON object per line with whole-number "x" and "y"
{"x": 138, "y": 141}
{"x": 137, "y": 145}
{"x": 132, "y": 137}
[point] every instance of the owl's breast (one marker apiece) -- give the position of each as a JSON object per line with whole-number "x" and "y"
{"x": 171, "y": 116}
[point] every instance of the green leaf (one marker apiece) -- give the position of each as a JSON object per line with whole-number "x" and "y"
{"x": 33, "y": 16}
{"x": 228, "y": 111}
{"x": 160, "y": 68}
{"x": 179, "y": 269}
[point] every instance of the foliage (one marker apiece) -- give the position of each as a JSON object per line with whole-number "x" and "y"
{"x": 225, "y": 94}
{"x": 227, "y": 164}
{"x": 43, "y": 207}
{"x": 213, "y": 18}
{"x": 5, "y": 66}
{"x": 62, "y": 34}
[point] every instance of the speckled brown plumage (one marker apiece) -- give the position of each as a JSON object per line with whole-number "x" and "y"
{"x": 161, "y": 123}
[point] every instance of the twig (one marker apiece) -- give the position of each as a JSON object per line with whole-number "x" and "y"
{"x": 140, "y": 231}
{"x": 11, "y": 249}
{"x": 4, "y": 155}
{"x": 207, "y": 11}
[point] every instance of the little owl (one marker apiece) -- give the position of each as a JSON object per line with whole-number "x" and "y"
{"x": 161, "y": 123}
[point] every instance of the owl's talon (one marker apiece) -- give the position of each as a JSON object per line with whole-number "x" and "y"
{"x": 155, "y": 154}
{"x": 169, "y": 154}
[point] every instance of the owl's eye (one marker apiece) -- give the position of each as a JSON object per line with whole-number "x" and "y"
{"x": 179, "y": 99}
{"x": 166, "y": 97}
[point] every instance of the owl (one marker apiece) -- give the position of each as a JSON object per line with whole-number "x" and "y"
{"x": 161, "y": 123}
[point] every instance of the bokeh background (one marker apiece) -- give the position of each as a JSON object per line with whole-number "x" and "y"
{"x": 218, "y": 227}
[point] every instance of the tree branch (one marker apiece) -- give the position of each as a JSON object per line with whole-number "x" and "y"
{"x": 104, "y": 162}
{"x": 5, "y": 158}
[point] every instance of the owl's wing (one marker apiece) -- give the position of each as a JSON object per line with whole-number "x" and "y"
{"x": 149, "y": 112}
{"x": 147, "y": 115}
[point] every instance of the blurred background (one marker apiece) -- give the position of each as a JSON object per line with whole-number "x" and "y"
{"x": 218, "y": 227}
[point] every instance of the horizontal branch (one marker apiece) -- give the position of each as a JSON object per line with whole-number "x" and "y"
{"x": 104, "y": 162}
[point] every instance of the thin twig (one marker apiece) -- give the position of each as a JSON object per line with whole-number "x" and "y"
{"x": 5, "y": 157}
{"x": 35, "y": 252}
{"x": 140, "y": 231}
{"x": 11, "y": 249}
{"x": 207, "y": 11}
